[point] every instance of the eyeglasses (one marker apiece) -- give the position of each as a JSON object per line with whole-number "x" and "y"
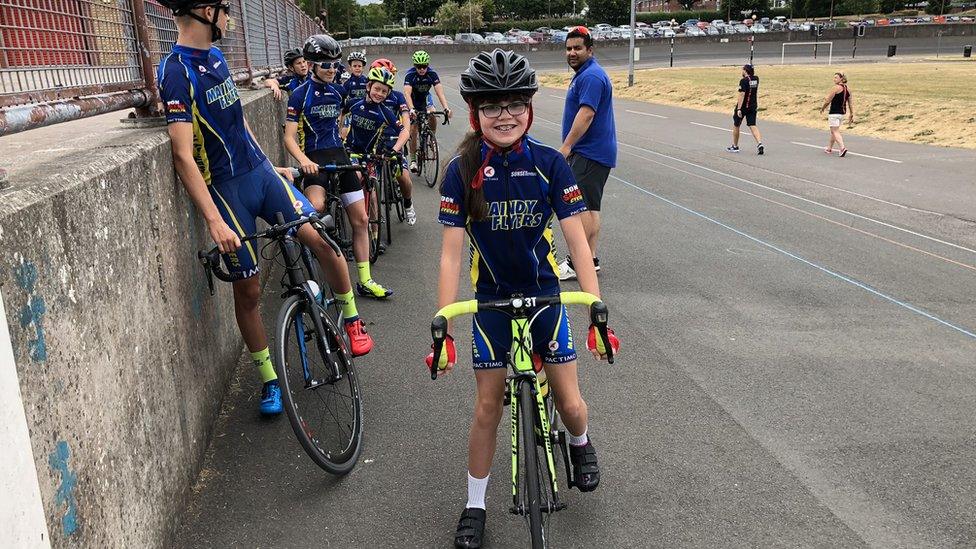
{"x": 225, "y": 7}
{"x": 331, "y": 65}
{"x": 515, "y": 108}
{"x": 421, "y": 66}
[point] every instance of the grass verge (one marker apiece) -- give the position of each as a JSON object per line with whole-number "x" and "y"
{"x": 925, "y": 102}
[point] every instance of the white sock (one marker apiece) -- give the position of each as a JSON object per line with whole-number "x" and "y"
{"x": 578, "y": 440}
{"x": 476, "y": 492}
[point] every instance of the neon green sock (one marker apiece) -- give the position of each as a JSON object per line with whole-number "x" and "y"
{"x": 348, "y": 303}
{"x": 364, "y": 274}
{"x": 262, "y": 359}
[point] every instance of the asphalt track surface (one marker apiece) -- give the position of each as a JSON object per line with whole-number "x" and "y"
{"x": 797, "y": 366}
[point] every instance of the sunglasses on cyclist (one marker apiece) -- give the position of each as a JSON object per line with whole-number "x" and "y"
{"x": 330, "y": 65}
{"x": 224, "y": 7}
{"x": 421, "y": 66}
{"x": 515, "y": 108}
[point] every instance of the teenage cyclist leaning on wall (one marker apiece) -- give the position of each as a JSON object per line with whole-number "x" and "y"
{"x": 231, "y": 181}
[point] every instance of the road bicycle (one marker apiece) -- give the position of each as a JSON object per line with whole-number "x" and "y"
{"x": 315, "y": 368}
{"x": 428, "y": 155}
{"x": 535, "y": 423}
{"x": 383, "y": 196}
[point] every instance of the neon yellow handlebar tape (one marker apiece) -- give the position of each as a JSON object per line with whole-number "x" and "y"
{"x": 471, "y": 306}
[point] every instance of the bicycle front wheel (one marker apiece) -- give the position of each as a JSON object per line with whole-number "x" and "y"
{"x": 326, "y": 414}
{"x": 343, "y": 229}
{"x": 531, "y": 488}
{"x": 431, "y": 161}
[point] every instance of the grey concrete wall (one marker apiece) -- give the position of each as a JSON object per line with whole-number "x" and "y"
{"x": 122, "y": 355}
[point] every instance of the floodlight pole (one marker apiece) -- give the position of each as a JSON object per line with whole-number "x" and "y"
{"x": 633, "y": 31}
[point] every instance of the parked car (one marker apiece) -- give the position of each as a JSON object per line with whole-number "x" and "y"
{"x": 558, "y": 37}
{"x": 491, "y": 38}
{"x": 765, "y": 21}
{"x": 545, "y": 31}
{"x": 694, "y": 31}
{"x": 690, "y": 23}
{"x": 471, "y": 38}
{"x": 713, "y": 30}
{"x": 666, "y": 32}
{"x": 442, "y": 39}
{"x": 604, "y": 26}
{"x": 642, "y": 25}
{"x": 741, "y": 29}
{"x": 758, "y": 28}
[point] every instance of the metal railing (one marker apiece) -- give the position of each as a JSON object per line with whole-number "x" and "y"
{"x": 66, "y": 59}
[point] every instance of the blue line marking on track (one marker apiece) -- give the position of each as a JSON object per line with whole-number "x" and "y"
{"x": 791, "y": 255}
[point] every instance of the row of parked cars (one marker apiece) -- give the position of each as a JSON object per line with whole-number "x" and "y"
{"x": 660, "y": 29}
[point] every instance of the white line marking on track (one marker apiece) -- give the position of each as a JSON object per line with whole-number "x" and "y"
{"x": 798, "y": 197}
{"x": 712, "y": 127}
{"x": 805, "y": 261}
{"x": 557, "y": 96}
{"x": 647, "y": 114}
{"x": 848, "y": 152}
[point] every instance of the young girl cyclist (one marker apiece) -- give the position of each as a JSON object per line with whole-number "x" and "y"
{"x": 503, "y": 190}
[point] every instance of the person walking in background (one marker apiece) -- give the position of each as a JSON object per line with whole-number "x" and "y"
{"x": 839, "y": 101}
{"x": 746, "y": 109}
{"x": 589, "y": 135}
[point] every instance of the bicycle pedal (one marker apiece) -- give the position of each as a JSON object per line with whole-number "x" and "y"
{"x": 519, "y": 510}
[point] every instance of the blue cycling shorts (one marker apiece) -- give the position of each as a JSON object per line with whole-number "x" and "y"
{"x": 261, "y": 192}
{"x": 491, "y": 338}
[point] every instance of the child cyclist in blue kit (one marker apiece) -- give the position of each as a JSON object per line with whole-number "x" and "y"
{"x": 503, "y": 190}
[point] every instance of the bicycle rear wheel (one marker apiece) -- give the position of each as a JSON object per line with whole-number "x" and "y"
{"x": 431, "y": 160}
{"x": 530, "y": 479}
{"x": 343, "y": 229}
{"x": 375, "y": 219}
{"x": 326, "y": 415}
{"x": 387, "y": 194}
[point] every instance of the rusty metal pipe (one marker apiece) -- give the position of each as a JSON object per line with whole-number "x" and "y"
{"x": 28, "y": 117}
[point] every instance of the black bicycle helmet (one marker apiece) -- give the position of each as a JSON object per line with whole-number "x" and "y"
{"x": 183, "y": 7}
{"x": 498, "y": 72}
{"x": 322, "y": 48}
{"x": 292, "y": 55}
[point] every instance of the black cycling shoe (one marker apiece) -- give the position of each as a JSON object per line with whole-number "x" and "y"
{"x": 586, "y": 472}
{"x": 471, "y": 529}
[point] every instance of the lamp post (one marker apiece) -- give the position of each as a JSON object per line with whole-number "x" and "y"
{"x": 633, "y": 29}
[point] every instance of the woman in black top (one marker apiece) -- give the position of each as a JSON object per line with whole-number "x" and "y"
{"x": 839, "y": 101}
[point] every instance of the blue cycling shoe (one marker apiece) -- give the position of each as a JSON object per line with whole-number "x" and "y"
{"x": 271, "y": 399}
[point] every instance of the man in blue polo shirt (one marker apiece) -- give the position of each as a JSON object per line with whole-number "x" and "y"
{"x": 589, "y": 135}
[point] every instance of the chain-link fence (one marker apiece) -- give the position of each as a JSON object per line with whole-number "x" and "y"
{"x": 66, "y": 59}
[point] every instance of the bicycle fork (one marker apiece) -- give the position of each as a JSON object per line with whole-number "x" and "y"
{"x": 296, "y": 280}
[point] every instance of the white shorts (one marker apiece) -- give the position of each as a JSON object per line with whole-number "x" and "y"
{"x": 835, "y": 120}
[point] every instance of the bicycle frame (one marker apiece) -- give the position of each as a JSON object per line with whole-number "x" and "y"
{"x": 520, "y": 360}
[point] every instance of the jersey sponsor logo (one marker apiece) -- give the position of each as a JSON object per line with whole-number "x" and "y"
{"x": 217, "y": 64}
{"x": 202, "y": 68}
{"x": 572, "y": 195}
{"x": 174, "y": 106}
{"x": 225, "y": 93}
{"x": 325, "y": 111}
{"x": 489, "y": 171}
{"x": 292, "y": 111}
{"x": 522, "y": 173}
{"x": 298, "y": 205}
{"x": 448, "y": 206}
{"x": 554, "y": 346}
{"x": 514, "y": 214}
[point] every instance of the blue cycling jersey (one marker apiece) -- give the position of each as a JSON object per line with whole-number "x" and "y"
{"x": 316, "y": 107}
{"x": 355, "y": 88}
{"x": 368, "y": 121}
{"x": 512, "y": 249}
{"x": 421, "y": 85}
{"x": 291, "y": 81}
{"x": 196, "y": 87}
{"x": 397, "y": 103}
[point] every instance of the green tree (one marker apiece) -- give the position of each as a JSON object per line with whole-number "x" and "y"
{"x": 609, "y": 11}
{"x": 859, "y": 7}
{"x": 448, "y": 17}
{"x": 891, "y": 6}
{"x": 734, "y": 8}
{"x": 415, "y": 9}
{"x": 373, "y": 16}
{"x": 938, "y": 7}
{"x": 687, "y": 5}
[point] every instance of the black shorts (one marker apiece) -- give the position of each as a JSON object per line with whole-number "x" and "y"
{"x": 348, "y": 182}
{"x": 591, "y": 176}
{"x": 749, "y": 116}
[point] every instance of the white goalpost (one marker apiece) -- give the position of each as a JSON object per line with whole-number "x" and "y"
{"x": 830, "y": 50}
